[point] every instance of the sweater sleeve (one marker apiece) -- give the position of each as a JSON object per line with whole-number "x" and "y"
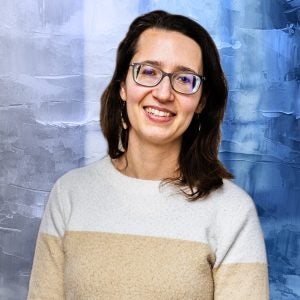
{"x": 46, "y": 281}
{"x": 240, "y": 271}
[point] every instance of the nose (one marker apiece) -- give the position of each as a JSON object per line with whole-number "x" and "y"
{"x": 163, "y": 91}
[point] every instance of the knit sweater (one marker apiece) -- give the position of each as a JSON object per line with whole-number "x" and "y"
{"x": 105, "y": 235}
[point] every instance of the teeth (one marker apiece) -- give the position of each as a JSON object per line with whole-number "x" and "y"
{"x": 158, "y": 113}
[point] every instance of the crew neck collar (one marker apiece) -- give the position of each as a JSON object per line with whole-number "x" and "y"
{"x": 118, "y": 178}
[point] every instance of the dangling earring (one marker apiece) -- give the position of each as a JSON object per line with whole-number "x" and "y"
{"x": 199, "y": 122}
{"x": 124, "y": 124}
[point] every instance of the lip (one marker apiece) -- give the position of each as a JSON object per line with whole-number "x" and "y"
{"x": 159, "y": 119}
{"x": 160, "y": 109}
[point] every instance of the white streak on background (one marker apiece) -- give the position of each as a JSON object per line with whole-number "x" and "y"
{"x": 105, "y": 24}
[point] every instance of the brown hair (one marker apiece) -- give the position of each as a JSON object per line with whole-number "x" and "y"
{"x": 200, "y": 169}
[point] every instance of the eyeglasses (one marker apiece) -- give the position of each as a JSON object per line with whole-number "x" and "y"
{"x": 182, "y": 82}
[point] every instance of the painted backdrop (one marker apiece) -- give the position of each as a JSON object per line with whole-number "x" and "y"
{"x": 56, "y": 58}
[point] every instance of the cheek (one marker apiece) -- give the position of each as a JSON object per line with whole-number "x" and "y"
{"x": 134, "y": 101}
{"x": 196, "y": 104}
{"x": 135, "y": 94}
{"x": 189, "y": 106}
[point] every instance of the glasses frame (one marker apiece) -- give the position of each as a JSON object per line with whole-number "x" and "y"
{"x": 164, "y": 74}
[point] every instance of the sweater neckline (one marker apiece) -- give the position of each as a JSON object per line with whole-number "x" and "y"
{"x": 117, "y": 178}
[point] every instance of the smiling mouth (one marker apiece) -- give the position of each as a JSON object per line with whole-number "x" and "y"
{"x": 158, "y": 113}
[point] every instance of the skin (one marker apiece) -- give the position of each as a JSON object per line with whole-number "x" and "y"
{"x": 155, "y": 141}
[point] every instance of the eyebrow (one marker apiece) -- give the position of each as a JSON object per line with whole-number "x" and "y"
{"x": 159, "y": 64}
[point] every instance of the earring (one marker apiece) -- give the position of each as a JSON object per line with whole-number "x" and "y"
{"x": 199, "y": 121}
{"x": 124, "y": 124}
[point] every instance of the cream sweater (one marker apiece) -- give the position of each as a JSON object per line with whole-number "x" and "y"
{"x": 108, "y": 236}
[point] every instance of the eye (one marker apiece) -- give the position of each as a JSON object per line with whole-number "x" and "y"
{"x": 148, "y": 71}
{"x": 184, "y": 78}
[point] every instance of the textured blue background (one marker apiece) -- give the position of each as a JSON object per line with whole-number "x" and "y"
{"x": 57, "y": 56}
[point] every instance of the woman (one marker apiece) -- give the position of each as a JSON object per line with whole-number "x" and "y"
{"x": 158, "y": 218}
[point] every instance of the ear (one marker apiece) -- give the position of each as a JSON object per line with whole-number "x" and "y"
{"x": 123, "y": 93}
{"x": 201, "y": 103}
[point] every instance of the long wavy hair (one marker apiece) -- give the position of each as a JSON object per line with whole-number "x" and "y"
{"x": 200, "y": 170}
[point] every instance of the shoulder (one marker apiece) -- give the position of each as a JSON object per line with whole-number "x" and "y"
{"x": 89, "y": 174}
{"x": 236, "y": 229}
{"x": 80, "y": 181}
{"x": 233, "y": 207}
{"x": 76, "y": 187}
{"x": 230, "y": 196}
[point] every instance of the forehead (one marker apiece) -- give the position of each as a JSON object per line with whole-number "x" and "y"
{"x": 170, "y": 49}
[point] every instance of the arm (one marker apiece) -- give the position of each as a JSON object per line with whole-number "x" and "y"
{"x": 240, "y": 271}
{"x": 46, "y": 280}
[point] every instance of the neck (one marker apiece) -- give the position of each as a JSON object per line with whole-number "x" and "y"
{"x": 150, "y": 162}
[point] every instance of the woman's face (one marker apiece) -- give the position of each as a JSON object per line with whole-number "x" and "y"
{"x": 159, "y": 115}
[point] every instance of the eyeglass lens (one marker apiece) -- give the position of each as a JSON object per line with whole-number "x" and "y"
{"x": 146, "y": 75}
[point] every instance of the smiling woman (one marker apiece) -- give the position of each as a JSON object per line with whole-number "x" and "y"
{"x": 122, "y": 228}
{"x": 158, "y": 115}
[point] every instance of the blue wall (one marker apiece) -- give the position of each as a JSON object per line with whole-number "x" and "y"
{"x": 55, "y": 59}
{"x": 259, "y": 43}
